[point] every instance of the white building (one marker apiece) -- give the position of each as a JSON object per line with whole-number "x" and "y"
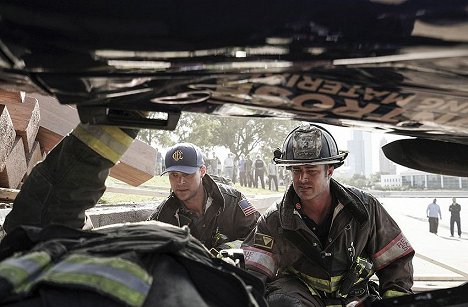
{"x": 390, "y": 181}
{"x": 422, "y": 180}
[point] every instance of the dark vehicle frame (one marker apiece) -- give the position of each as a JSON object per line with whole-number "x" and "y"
{"x": 399, "y": 67}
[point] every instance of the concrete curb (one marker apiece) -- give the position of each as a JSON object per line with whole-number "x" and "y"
{"x": 103, "y": 215}
{"x": 125, "y": 213}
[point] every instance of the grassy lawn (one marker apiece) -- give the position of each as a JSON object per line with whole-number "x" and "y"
{"x": 162, "y": 182}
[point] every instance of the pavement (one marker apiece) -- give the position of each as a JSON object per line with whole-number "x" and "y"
{"x": 440, "y": 260}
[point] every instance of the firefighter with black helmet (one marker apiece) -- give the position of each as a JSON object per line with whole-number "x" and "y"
{"x": 323, "y": 241}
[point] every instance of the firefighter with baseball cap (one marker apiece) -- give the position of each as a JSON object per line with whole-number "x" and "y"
{"x": 216, "y": 213}
{"x": 323, "y": 241}
{"x": 46, "y": 258}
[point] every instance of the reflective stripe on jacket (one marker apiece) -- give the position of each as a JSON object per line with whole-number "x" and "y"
{"x": 17, "y": 270}
{"x": 115, "y": 277}
{"x": 360, "y": 227}
{"x": 109, "y": 142}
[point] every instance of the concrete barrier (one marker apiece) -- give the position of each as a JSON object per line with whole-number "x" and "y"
{"x": 103, "y": 215}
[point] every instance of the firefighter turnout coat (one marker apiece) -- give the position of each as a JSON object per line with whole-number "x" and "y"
{"x": 228, "y": 216}
{"x": 360, "y": 228}
{"x": 132, "y": 264}
{"x": 71, "y": 179}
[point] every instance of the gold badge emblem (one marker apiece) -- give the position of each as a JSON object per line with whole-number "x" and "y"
{"x": 263, "y": 241}
{"x": 177, "y": 155}
{"x": 307, "y": 144}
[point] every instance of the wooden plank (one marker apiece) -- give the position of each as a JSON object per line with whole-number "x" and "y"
{"x": 25, "y": 117}
{"x": 15, "y": 166}
{"x": 56, "y": 117}
{"x": 7, "y": 135}
{"x": 11, "y": 96}
{"x": 136, "y": 166}
{"x": 47, "y": 139}
{"x": 34, "y": 157}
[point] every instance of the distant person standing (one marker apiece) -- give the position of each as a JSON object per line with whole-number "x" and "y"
{"x": 259, "y": 167}
{"x": 455, "y": 217}
{"x": 158, "y": 162}
{"x": 433, "y": 213}
{"x": 272, "y": 176}
{"x": 249, "y": 171}
{"x": 242, "y": 173}
{"x": 235, "y": 170}
{"x": 219, "y": 166}
{"x": 214, "y": 164}
{"x": 228, "y": 166}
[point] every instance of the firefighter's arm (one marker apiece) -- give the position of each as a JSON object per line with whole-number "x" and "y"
{"x": 71, "y": 178}
{"x": 244, "y": 217}
{"x": 392, "y": 256}
{"x": 396, "y": 279}
{"x": 259, "y": 251}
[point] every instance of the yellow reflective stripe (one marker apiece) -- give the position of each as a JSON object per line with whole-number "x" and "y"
{"x": 233, "y": 244}
{"x": 393, "y": 293}
{"x": 109, "y": 142}
{"x": 116, "y": 277}
{"x": 17, "y": 270}
{"x": 118, "y": 135}
{"x": 311, "y": 290}
{"x": 325, "y": 285}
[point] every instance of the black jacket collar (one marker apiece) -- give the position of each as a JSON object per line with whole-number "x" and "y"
{"x": 348, "y": 197}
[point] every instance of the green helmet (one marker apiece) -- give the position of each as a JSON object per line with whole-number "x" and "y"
{"x": 309, "y": 144}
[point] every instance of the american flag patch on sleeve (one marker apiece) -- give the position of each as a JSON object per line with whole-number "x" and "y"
{"x": 246, "y": 207}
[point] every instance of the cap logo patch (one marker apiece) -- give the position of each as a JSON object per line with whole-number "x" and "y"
{"x": 263, "y": 241}
{"x": 177, "y": 155}
{"x": 307, "y": 144}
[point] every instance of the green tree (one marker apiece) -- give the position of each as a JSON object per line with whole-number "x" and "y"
{"x": 358, "y": 181}
{"x": 375, "y": 178}
{"x": 154, "y": 137}
{"x": 240, "y": 135}
{"x": 182, "y": 133}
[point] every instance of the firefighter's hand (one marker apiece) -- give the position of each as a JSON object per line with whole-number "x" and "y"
{"x": 345, "y": 302}
{"x": 354, "y": 302}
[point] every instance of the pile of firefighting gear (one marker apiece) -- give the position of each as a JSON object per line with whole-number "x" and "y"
{"x": 140, "y": 264}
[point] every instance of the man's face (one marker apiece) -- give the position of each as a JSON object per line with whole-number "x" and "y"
{"x": 185, "y": 186}
{"x": 311, "y": 181}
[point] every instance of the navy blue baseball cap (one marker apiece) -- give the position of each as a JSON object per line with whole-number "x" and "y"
{"x": 183, "y": 157}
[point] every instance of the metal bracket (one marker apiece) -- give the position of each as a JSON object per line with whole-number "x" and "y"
{"x": 103, "y": 115}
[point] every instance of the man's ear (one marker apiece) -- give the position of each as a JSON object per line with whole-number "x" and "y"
{"x": 202, "y": 171}
{"x": 330, "y": 170}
